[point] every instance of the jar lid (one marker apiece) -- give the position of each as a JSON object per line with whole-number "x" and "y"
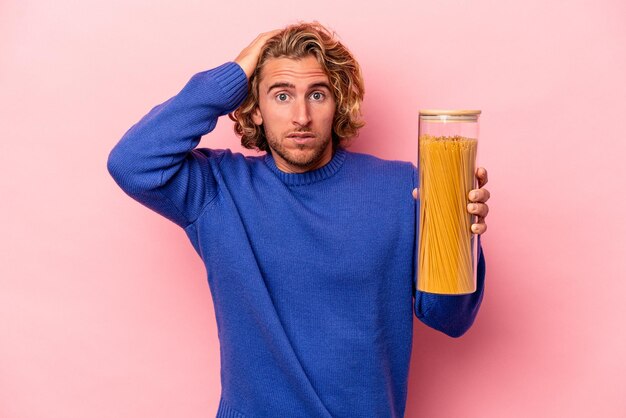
{"x": 437, "y": 112}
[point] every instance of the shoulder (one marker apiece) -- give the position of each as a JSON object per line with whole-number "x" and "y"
{"x": 363, "y": 161}
{"x": 221, "y": 158}
{"x": 376, "y": 170}
{"x": 227, "y": 154}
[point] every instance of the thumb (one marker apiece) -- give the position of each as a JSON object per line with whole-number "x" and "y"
{"x": 416, "y": 193}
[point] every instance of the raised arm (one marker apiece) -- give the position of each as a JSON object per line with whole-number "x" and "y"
{"x": 155, "y": 162}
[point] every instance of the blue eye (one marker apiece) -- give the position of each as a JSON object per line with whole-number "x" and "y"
{"x": 318, "y": 95}
{"x": 282, "y": 96}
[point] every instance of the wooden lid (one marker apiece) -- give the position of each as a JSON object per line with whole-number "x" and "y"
{"x": 437, "y": 112}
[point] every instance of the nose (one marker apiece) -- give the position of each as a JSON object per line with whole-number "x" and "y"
{"x": 301, "y": 113}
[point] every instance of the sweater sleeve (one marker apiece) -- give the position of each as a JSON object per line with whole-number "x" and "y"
{"x": 156, "y": 163}
{"x": 451, "y": 314}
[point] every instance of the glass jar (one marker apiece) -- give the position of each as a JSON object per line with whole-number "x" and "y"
{"x": 447, "y": 247}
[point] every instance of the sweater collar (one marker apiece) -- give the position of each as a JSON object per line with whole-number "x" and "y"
{"x": 308, "y": 177}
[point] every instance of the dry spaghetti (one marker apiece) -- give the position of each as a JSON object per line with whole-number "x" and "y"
{"x": 445, "y": 240}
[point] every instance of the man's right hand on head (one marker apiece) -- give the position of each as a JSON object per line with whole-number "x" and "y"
{"x": 249, "y": 57}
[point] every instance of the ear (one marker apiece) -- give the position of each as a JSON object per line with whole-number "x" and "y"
{"x": 256, "y": 116}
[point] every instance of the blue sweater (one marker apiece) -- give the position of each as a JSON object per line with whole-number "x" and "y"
{"x": 312, "y": 275}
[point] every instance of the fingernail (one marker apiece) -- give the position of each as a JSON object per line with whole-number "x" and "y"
{"x": 474, "y": 195}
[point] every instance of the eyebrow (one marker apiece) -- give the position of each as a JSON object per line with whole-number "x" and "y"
{"x": 284, "y": 84}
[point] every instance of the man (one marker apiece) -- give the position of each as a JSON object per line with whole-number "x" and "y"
{"x": 309, "y": 248}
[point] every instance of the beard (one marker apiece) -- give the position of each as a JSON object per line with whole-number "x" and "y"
{"x": 303, "y": 156}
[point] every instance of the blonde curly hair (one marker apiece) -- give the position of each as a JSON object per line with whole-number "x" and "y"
{"x": 344, "y": 73}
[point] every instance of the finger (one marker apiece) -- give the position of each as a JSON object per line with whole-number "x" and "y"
{"x": 249, "y": 56}
{"x": 272, "y": 32}
{"x": 262, "y": 38}
{"x": 479, "y": 209}
{"x": 480, "y": 227}
{"x": 481, "y": 175}
{"x": 479, "y": 195}
{"x": 269, "y": 34}
{"x": 416, "y": 193}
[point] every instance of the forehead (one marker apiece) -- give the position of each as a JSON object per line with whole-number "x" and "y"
{"x": 304, "y": 70}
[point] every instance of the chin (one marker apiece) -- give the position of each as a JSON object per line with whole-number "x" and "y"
{"x": 303, "y": 158}
{"x": 301, "y": 162}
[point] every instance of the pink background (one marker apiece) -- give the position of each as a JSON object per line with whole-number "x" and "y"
{"x": 105, "y": 310}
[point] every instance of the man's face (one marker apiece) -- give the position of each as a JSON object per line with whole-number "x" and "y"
{"x": 296, "y": 107}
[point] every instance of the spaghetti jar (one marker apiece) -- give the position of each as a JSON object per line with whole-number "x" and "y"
{"x": 446, "y": 155}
